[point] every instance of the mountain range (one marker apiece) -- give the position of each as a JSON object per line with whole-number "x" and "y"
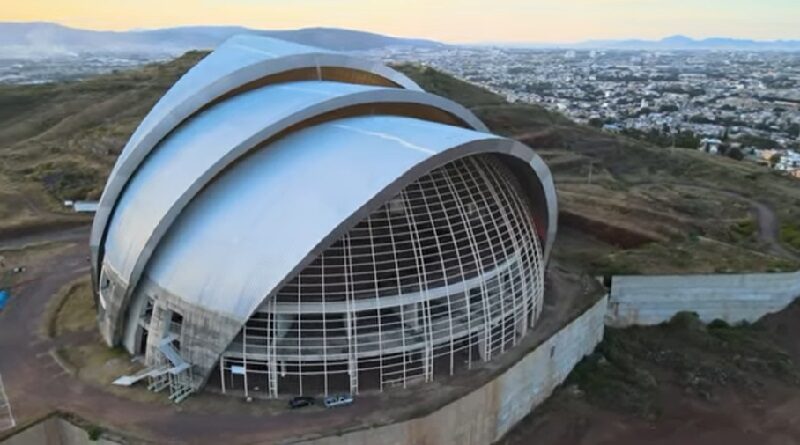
{"x": 41, "y": 39}
{"x": 673, "y": 43}
{"x": 679, "y": 43}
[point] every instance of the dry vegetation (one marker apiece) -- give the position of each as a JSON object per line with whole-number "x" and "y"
{"x": 59, "y": 140}
{"x": 70, "y": 319}
{"x": 645, "y": 208}
{"x": 679, "y": 382}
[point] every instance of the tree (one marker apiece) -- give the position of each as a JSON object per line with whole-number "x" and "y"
{"x": 757, "y": 141}
{"x": 735, "y": 153}
{"x": 794, "y": 130}
{"x": 687, "y": 139}
{"x": 668, "y": 108}
{"x": 775, "y": 160}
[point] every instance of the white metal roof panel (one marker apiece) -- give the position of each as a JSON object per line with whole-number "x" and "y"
{"x": 238, "y": 240}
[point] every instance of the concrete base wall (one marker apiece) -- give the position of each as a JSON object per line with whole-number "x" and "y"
{"x": 204, "y": 334}
{"x": 488, "y": 413}
{"x": 55, "y": 431}
{"x": 649, "y": 300}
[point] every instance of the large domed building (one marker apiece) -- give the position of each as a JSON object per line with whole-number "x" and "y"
{"x": 288, "y": 221}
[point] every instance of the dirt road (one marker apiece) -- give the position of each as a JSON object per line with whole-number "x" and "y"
{"x": 768, "y": 227}
{"x": 37, "y": 384}
{"x": 67, "y": 234}
{"x": 768, "y": 223}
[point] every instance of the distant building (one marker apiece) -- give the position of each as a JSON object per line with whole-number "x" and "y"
{"x": 789, "y": 162}
{"x": 710, "y": 146}
{"x": 82, "y": 206}
{"x": 85, "y": 206}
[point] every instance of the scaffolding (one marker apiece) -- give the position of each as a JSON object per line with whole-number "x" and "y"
{"x": 6, "y": 416}
{"x": 446, "y": 273}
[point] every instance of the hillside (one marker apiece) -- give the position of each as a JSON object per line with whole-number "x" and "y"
{"x": 59, "y": 140}
{"x": 681, "y": 382}
{"x": 625, "y": 206}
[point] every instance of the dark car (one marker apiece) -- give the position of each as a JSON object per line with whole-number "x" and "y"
{"x": 301, "y": 401}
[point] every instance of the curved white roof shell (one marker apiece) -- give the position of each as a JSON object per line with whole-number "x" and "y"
{"x": 237, "y": 63}
{"x": 262, "y": 219}
{"x": 218, "y": 136}
{"x": 250, "y": 167}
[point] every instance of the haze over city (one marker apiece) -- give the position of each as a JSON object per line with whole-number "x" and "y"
{"x": 451, "y": 21}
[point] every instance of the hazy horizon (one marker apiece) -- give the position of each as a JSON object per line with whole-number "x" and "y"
{"x": 487, "y": 42}
{"x": 449, "y": 21}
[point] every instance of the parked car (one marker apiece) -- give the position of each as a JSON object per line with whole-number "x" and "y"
{"x": 301, "y": 402}
{"x": 338, "y": 400}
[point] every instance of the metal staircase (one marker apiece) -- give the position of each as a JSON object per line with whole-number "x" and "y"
{"x": 171, "y": 371}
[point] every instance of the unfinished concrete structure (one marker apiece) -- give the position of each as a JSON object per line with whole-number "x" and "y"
{"x": 303, "y": 222}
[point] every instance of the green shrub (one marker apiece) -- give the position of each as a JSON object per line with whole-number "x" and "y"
{"x": 94, "y": 432}
{"x": 745, "y": 229}
{"x": 790, "y": 234}
{"x": 685, "y": 320}
{"x": 67, "y": 180}
{"x": 719, "y": 324}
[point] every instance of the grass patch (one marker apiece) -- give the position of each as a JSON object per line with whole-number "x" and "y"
{"x": 67, "y": 180}
{"x": 71, "y": 309}
{"x": 77, "y": 312}
{"x": 790, "y": 234}
{"x": 448, "y": 86}
{"x": 97, "y": 363}
{"x": 94, "y": 432}
{"x": 745, "y": 229}
{"x": 693, "y": 255}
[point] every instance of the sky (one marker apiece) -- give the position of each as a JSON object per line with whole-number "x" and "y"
{"x": 452, "y": 21}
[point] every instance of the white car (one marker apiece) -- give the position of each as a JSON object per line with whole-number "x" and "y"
{"x": 338, "y": 400}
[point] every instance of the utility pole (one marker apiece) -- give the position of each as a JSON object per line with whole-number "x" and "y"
{"x": 591, "y": 166}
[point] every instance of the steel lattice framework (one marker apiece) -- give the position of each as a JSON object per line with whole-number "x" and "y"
{"x": 447, "y": 272}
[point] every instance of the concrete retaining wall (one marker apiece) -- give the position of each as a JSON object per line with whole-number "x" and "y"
{"x": 488, "y": 413}
{"x": 55, "y": 431}
{"x": 649, "y": 300}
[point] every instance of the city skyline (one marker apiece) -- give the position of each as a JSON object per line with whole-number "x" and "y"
{"x": 450, "y": 21}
